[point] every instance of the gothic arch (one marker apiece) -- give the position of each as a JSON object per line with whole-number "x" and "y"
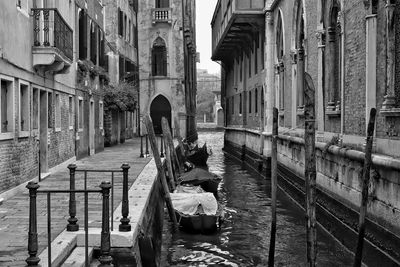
{"x": 160, "y": 107}
{"x": 159, "y": 60}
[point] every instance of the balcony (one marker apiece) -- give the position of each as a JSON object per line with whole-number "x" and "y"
{"x": 234, "y": 25}
{"x": 52, "y": 41}
{"x": 161, "y": 15}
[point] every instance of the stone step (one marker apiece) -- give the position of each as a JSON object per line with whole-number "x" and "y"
{"x": 61, "y": 248}
{"x": 77, "y": 257}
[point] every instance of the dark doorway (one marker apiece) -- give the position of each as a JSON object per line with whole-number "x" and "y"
{"x": 160, "y": 107}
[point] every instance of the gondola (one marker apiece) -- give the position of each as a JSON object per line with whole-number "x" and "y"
{"x": 198, "y": 176}
{"x": 198, "y": 156}
{"x": 196, "y": 211}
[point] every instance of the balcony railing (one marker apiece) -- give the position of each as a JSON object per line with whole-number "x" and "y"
{"x": 162, "y": 15}
{"x": 51, "y": 30}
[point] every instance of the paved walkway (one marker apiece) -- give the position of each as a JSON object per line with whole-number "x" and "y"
{"x": 14, "y": 212}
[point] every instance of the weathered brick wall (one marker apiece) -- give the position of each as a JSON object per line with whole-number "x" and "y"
{"x": 354, "y": 60}
{"x": 62, "y": 144}
{"x": 18, "y": 162}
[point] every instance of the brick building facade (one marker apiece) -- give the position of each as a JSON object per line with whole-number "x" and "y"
{"x": 349, "y": 49}
{"x": 54, "y": 65}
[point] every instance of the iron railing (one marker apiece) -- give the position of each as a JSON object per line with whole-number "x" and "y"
{"x": 33, "y": 246}
{"x": 125, "y": 221}
{"x": 51, "y": 30}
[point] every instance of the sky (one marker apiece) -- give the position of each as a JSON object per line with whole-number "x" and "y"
{"x": 204, "y": 13}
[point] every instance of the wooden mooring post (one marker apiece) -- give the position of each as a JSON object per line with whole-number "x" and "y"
{"x": 153, "y": 143}
{"x": 310, "y": 169}
{"x": 364, "y": 192}
{"x": 168, "y": 153}
{"x": 170, "y": 143}
{"x": 274, "y": 182}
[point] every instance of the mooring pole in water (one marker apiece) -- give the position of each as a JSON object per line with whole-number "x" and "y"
{"x": 310, "y": 169}
{"x": 274, "y": 182}
{"x": 364, "y": 193}
{"x": 160, "y": 169}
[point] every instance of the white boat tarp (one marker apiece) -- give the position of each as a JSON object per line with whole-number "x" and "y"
{"x": 188, "y": 203}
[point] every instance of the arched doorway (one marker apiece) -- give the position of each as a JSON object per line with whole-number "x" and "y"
{"x": 160, "y": 107}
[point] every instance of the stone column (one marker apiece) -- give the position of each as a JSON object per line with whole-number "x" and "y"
{"x": 293, "y": 56}
{"x": 300, "y": 78}
{"x": 330, "y": 69}
{"x": 371, "y": 32}
{"x": 320, "y": 84}
{"x": 390, "y": 101}
{"x": 269, "y": 77}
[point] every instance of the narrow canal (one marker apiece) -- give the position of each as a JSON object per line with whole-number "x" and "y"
{"x": 243, "y": 239}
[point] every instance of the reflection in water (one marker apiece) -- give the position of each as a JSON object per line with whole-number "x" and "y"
{"x": 243, "y": 239}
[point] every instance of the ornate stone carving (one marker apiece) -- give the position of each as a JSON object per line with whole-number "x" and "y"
{"x": 269, "y": 17}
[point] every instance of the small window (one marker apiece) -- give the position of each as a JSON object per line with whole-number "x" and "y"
{"x": 256, "y": 101}
{"x": 120, "y": 22}
{"x": 80, "y": 114}
{"x": 35, "y": 108}
{"x": 58, "y": 112}
{"x": 70, "y": 112}
{"x": 24, "y": 107}
{"x": 7, "y": 106}
{"x": 240, "y": 103}
{"x": 250, "y": 102}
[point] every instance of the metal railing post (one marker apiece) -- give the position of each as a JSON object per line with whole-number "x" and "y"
{"x": 125, "y": 225}
{"x": 72, "y": 225}
{"x": 161, "y": 146}
{"x": 33, "y": 259}
{"x": 147, "y": 145}
{"x": 141, "y": 146}
{"x": 105, "y": 246}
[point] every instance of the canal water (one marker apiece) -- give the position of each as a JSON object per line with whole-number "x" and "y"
{"x": 243, "y": 239}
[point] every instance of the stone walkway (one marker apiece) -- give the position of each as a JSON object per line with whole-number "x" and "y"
{"x": 14, "y": 212}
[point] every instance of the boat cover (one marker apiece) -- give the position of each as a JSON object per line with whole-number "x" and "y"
{"x": 188, "y": 203}
{"x": 198, "y": 174}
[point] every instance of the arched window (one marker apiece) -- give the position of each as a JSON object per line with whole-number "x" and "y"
{"x": 280, "y": 66}
{"x": 333, "y": 53}
{"x": 299, "y": 45}
{"x": 159, "y": 58}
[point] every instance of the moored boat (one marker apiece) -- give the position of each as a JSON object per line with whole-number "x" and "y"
{"x": 198, "y": 176}
{"x": 196, "y": 212}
